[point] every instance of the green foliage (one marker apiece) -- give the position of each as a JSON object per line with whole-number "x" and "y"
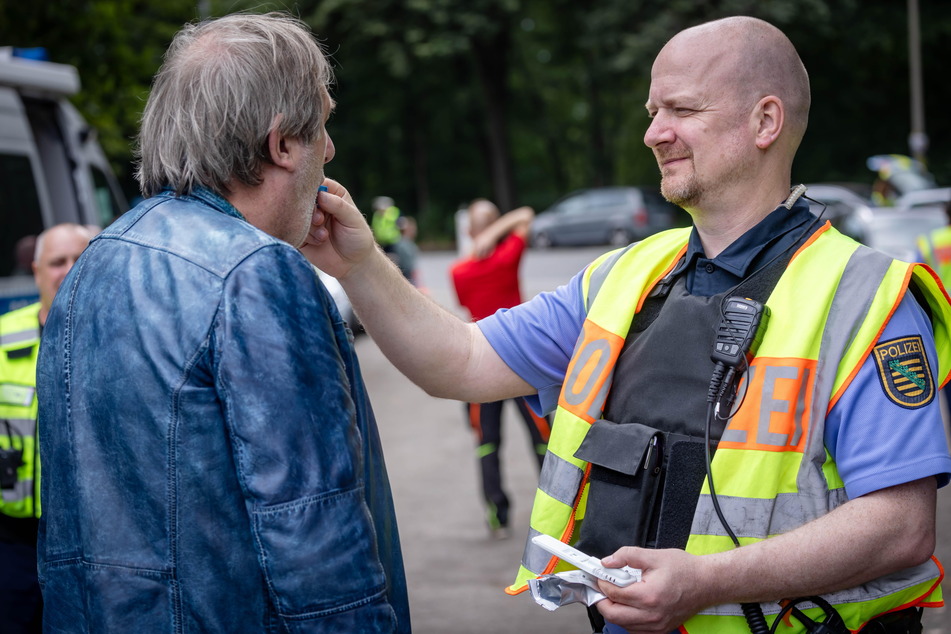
{"x": 117, "y": 46}
{"x": 441, "y": 101}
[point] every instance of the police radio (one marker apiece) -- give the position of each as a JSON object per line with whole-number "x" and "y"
{"x": 740, "y": 331}
{"x": 11, "y": 459}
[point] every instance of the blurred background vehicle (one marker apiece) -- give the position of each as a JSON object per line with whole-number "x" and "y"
{"x": 891, "y": 230}
{"x": 897, "y": 175}
{"x": 842, "y": 201}
{"x": 605, "y": 215}
{"x": 937, "y": 197}
{"x": 52, "y": 168}
{"x": 895, "y": 231}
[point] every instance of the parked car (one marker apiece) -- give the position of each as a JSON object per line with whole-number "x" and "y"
{"x": 842, "y": 201}
{"x": 895, "y": 231}
{"x": 937, "y": 197}
{"x": 891, "y": 230}
{"x": 606, "y": 215}
{"x": 52, "y": 169}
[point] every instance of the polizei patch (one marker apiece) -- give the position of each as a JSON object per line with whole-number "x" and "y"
{"x": 904, "y": 371}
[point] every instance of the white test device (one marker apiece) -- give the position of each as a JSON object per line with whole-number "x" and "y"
{"x": 592, "y": 565}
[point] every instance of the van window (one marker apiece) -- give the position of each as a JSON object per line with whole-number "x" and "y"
{"x": 57, "y": 166}
{"x": 107, "y": 207}
{"x": 21, "y": 208}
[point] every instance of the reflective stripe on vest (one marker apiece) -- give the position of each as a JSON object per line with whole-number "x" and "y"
{"x": 779, "y": 428}
{"x": 20, "y": 337}
{"x": 19, "y": 329}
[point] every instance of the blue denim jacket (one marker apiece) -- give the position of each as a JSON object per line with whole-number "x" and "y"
{"x": 211, "y": 461}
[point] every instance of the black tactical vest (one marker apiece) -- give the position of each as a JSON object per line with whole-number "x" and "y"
{"x": 647, "y": 453}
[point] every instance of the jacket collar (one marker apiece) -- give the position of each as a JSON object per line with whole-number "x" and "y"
{"x": 209, "y": 198}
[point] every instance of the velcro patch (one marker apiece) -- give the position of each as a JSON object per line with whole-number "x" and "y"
{"x": 904, "y": 371}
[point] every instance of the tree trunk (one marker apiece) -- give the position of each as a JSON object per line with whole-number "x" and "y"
{"x": 490, "y": 56}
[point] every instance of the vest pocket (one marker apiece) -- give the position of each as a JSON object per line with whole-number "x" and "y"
{"x": 624, "y": 482}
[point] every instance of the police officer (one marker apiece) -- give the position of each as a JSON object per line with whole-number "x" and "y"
{"x": 57, "y": 249}
{"x": 828, "y": 471}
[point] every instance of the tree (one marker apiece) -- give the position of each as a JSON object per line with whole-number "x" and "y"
{"x": 441, "y": 101}
{"x": 116, "y": 44}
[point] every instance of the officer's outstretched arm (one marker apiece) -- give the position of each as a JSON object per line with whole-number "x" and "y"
{"x": 442, "y": 354}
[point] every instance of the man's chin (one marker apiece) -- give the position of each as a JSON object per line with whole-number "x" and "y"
{"x": 678, "y": 196}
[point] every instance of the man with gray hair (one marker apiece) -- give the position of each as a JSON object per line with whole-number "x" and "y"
{"x": 213, "y": 462}
{"x": 818, "y": 503}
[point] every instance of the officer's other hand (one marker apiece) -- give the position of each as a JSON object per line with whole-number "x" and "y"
{"x": 667, "y": 595}
{"x": 339, "y": 237}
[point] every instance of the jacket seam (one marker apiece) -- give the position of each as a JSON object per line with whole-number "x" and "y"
{"x": 374, "y": 595}
{"x": 299, "y": 503}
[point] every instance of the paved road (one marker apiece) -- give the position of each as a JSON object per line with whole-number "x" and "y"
{"x": 456, "y": 572}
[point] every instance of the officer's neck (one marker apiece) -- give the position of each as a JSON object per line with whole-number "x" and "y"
{"x": 721, "y": 222}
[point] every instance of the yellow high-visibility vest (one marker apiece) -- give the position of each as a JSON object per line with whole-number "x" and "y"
{"x": 782, "y": 477}
{"x": 19, "y": 345}
{"x": 384, "y": 227}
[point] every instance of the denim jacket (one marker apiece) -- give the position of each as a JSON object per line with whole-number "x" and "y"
{"x": 211, "y": 461}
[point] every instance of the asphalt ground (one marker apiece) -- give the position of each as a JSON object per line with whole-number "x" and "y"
{"x": 456, "y": 571}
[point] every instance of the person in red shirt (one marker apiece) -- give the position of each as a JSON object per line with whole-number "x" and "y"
{"x": 486, "y": 281}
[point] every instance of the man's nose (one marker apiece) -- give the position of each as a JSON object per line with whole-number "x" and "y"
{"x": 659, "y": 131}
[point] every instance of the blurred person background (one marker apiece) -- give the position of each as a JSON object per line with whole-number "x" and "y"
{"x": 21, "y": 603}
{"x": 487, "y": 281}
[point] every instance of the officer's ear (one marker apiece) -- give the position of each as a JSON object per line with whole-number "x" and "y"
{"x": 767, "y": 120}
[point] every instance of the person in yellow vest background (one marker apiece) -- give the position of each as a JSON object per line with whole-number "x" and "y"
{"x": 934, "y": 249}
{"x": 744, "y": 410}
{"x": 57, "y": 249}
{"x": 384, "y": 222}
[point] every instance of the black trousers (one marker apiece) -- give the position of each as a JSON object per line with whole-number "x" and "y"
{"x": 486, "y": 422}
{"x": 21, "y": 604}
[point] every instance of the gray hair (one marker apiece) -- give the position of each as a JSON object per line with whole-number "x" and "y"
{"x": 223, "y": 86}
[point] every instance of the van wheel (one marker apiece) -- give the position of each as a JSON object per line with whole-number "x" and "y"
{"x": 619, "y": 238}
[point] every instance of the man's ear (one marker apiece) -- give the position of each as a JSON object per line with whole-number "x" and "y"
{"x": 768, "y": 119}
{"x": 282, "y": 149}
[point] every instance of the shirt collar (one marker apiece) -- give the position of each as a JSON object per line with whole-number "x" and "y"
{"x": 773, "y": 230}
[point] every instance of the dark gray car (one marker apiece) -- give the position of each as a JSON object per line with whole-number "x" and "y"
{"x": 606, "y": 215}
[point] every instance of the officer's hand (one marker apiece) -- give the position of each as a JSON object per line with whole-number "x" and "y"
{"x": 667, "y": 595}
{"x": 339, "y": 237}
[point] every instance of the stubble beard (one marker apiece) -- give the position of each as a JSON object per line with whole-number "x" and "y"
{"x": 685, "y": 192}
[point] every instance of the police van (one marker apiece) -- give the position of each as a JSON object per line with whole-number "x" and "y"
{"x": 52, "y": 168}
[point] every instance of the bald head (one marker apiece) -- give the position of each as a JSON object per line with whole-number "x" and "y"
{"x": 482, "y": 213}
{"x": 753, "y": 59}
{"x": 57, "y": 249}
